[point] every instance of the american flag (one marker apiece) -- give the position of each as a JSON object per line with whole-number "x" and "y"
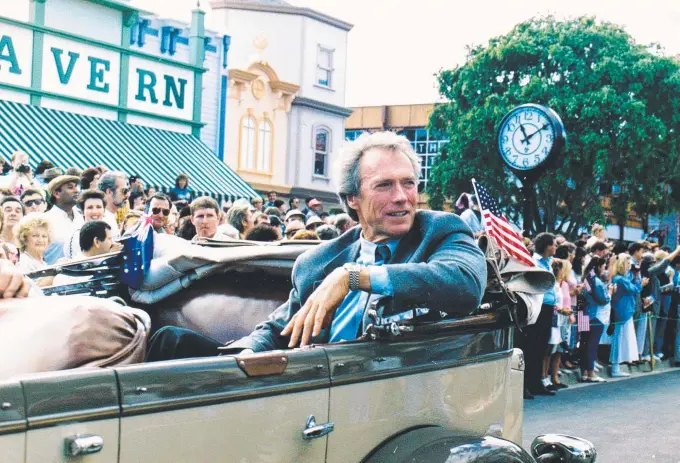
{"x": 498, "y": 227}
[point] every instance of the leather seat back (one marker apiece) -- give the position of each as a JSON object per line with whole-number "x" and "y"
{"x": 224, "y": 307}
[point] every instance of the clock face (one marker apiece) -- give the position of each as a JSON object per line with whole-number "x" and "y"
{"x": 526, "y": 137}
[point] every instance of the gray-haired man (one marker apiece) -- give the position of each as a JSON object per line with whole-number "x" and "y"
{"x": 416, "y": 258}
{"x": 116, "y": 187}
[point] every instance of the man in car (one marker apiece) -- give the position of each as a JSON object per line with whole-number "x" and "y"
{"x": 414, "y": 258}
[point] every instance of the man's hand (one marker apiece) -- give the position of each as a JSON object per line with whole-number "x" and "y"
{"x": 318, "y": 311}
{"x": 13, "y": 283}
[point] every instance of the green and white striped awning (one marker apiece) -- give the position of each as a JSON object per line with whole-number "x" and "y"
{"x": 157, "y": 156}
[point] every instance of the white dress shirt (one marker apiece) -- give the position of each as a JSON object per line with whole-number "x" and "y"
{"x": 62, "y": 228}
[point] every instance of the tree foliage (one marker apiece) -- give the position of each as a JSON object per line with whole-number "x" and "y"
{"x": 620, "y": 103}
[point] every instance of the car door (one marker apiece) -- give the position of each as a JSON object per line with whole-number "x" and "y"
{"x": 12, "y": 422}
{"x": 72, "y": 415}
{"x": 382, "y": 388}
{"x": 226, "y": 409}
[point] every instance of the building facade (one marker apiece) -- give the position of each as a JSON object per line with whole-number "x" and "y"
{"x": 82, "y": 83}
{"x": 294, "y": 59}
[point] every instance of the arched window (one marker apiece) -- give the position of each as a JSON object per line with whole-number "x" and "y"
{"x": 248, "y": 142}
{"x": 322, "y": 143}
{"x": 264, "y": 144}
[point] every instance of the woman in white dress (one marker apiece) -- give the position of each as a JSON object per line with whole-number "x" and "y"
{"x": 33, "y": 234}
{"x": 628, "y": 287}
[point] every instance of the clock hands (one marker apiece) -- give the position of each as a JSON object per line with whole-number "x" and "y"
{"x": 526, "y": 139}
{"x": 524, "y": 132}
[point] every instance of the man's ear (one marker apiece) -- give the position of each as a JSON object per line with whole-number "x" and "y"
{"x": 96, "y": 243}
{"x": 353, "y": 202}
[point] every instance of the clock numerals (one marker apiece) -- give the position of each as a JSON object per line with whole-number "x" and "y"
{"x": 528, "y": 116}
{"x": 525, "y": 162}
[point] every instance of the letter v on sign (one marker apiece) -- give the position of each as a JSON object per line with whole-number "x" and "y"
{"x": 64, "y": 77}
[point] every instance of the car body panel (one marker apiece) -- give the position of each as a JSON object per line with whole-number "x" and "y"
{"x": 64, "y": 404}
{"x": 12, "y": 422}
{"x": 379, "y": 389}
{"x": 514, "y": 412}
{"x": 209, "y": 408}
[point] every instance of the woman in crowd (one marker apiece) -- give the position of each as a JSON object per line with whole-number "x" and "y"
{"x": 33, "y": 234}
{"x": 559, "y": 334}
{"x": 92, "y": 203}
{"x": 666, "y": 288}
{"x": 628, "y": 287}
{"x": 181, "y": 191}
{"x": 598, "y": 297}
{"x": 12, "y": 212}
{"x": 89, "y": 178}
{"x": 137, "y": 201}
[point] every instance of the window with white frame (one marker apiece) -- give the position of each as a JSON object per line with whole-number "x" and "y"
{"x": 322, "y": 141}
{"x": 324, "y": 67}
{"x": 248, "y": 142}
{"x": 264, "y": 144}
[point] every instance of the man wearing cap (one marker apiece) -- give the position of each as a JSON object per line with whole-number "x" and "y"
{"x": 313, "y": 223}
{"x": 315, "y": 208}
{"x": 292, "y": 228}
{"x": 64, "y": 217}
{"x": 294, "y": 214}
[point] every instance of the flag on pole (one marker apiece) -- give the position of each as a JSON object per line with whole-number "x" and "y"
{"x": 498, "y": 227}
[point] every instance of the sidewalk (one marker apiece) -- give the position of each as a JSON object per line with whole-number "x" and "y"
{"x": 572, "y": 379}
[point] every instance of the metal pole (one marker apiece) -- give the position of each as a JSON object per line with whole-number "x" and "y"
{"x": 651, "y": 338}
{"x": 527, "y": 217}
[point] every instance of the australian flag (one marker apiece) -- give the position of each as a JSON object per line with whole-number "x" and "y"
{"x": 137, "y": 254}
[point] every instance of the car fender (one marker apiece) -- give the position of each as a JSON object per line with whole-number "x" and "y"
{"x": 434, "y": 444}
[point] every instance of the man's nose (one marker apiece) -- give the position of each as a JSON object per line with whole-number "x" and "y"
{"x": 399, "y": 194}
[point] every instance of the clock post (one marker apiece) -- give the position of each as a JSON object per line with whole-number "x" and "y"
{"x": 530, "y": 139}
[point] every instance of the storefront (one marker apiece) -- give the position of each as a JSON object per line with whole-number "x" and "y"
{"x": 74, "y": 91}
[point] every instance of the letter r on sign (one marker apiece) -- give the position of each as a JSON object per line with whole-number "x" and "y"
{"x": 147, "y": 81}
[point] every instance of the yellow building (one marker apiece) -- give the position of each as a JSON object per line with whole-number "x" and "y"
{"x": 258, "y": 105}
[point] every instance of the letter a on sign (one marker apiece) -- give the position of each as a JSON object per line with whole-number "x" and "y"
{"x": 64, "y": 77}
{"x": 10, "y": 55}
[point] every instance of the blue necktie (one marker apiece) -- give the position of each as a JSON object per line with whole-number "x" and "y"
{"x": 382, "y": 254}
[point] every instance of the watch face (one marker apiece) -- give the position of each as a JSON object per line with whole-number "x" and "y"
{"x": 526, "y": 137}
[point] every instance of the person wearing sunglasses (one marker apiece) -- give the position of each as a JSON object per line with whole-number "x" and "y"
{"x": 115, "y": 185}
{"x": 34, "y": 201}
{"x": 159, "y": 210}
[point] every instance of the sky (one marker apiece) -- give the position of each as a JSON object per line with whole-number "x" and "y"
{"x": 397, "y": 46}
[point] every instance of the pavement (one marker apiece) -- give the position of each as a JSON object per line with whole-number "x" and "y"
{"x": 631, "y": 420}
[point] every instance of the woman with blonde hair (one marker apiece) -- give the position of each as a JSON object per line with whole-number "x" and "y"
{"x": 628, "y": 287}
{"x": 34, "y": 236}
{"x": 559, "y": 335}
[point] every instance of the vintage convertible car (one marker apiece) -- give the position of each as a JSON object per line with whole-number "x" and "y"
{"x": 432, "y": 387}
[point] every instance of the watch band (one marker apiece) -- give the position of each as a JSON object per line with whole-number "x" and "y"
{"x": 353, "y": 269}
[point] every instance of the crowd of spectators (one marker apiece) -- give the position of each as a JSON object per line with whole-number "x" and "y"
{"x": 613, "y": 305}
{"x": 50, "y": 216}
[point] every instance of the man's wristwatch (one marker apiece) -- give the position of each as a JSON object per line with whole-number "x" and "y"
{"x": 353, "y": 269}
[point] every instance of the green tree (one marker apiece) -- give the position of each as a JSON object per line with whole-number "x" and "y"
{"x": 620, "y": 103}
